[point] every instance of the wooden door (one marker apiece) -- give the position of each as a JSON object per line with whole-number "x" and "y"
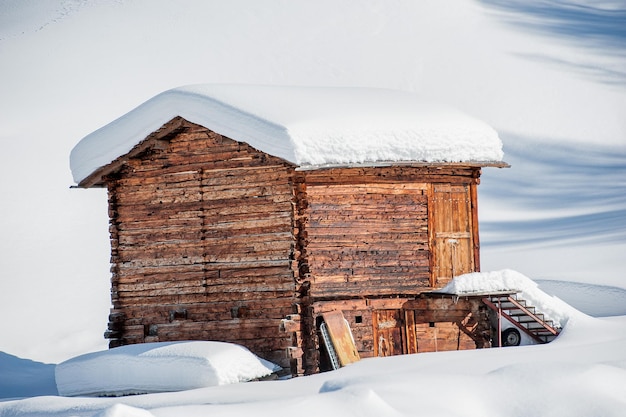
{"x": 388, "y": 329}
{"x": 451, "y": 232}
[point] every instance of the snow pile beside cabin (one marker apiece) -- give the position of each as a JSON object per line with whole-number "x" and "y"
{"x": 307, "y": 126}
{"x": 512, "y": 281}
{"x": 159, "y": 367}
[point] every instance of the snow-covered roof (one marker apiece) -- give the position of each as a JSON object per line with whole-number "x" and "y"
{"x": 307, "y": 126}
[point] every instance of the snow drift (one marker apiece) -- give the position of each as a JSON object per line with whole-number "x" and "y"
{"x": 159, "y": 367}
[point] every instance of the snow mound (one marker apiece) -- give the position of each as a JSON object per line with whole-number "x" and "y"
{"x": 159, "y": 367}
{"x": 508, "y": 280}
{"x": 25, "y": 378}
{"x": 122, "y": 410}
{"x": 307, "y": 126}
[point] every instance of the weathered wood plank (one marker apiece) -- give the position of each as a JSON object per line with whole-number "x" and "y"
{"x": 341, "y": 337}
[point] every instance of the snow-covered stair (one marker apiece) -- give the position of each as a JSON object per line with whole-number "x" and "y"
{"x": 525, "y": 317}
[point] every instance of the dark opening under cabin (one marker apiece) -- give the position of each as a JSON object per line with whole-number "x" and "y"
{"x": 255, "y": 214}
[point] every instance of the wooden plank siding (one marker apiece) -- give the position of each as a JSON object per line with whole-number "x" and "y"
{"x": 365, "y": 234}
{"x": 405, "y": 325}
{"x": 371, "y": 231}
{"x": 212, "y": 239}
{"x": 443, "y": 323}
{"x": 202, "y": 243}
{"x": 451, "y": 226}
{"x": 365, "y": 239}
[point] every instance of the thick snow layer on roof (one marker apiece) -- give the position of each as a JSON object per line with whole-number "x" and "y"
{"x": 159, "y": 367}
{"x": 508, "y": 280}
{"x": 303, "y": 125}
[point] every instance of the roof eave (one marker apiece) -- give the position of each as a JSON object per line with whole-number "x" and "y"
{"x": 417, "y": 164}
{"x": 156, "y": 140}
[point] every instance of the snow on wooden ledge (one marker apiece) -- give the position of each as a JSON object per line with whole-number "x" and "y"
{"x": 509, "y": 280}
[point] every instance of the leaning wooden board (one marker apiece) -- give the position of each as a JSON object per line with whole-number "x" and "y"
{"x": 341, "y": 337}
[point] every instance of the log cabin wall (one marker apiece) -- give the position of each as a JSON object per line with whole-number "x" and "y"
{"x": 375, "y": 238}
{"x": 371, "y": 231}
{"x": 214, "y": 240}
{"x": 202, "y": 240}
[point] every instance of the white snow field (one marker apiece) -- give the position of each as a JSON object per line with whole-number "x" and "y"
{"x": 581, "y": 373}
{"x": 547, "y": 75}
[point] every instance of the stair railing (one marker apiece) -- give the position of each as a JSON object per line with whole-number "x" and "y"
{"x": 498, "y": 309}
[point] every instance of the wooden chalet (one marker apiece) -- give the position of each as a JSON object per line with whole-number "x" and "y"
{"x": 213, "y": 238}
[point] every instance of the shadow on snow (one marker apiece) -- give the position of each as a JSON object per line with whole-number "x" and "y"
{"x": 564, "y": 191}
{"x": 593, "y": 28}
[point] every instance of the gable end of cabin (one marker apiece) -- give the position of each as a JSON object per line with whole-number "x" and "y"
{"x": 202, "y": 242}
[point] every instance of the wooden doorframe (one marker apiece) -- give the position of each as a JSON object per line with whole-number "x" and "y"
{"x": 392, "y": 334}
{"x": 474, "y": 228}
{"x": 436, "y": 223}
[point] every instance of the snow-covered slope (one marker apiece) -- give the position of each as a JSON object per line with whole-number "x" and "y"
{"x": 548, "y": 76}
{"x": 580, "y": 374}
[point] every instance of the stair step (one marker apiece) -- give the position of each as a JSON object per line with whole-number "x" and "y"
{"x": 525, "y": 316}
{"x": 525, "y": 312}
{"x": 511, "y": 307}
{"x": 505, "y": 300}
{"x": 541, "y": 331}
{"x": 533, "y": 325}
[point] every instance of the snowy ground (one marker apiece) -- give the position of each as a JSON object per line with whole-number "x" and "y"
{"x": 548, "y": 76}
{"x": 581, "y": 373}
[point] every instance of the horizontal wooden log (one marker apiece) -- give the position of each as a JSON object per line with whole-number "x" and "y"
{"x": 399, "y": 277}
{"x": 255, "y": 263}
{"x": 276, "y": 308}
{"x": 157, "y": 315}
{"x": 392, "y": 174}
{"x": 210, "y": 289}
{"x": 181, "y": 299}
{"x": 343, "y": 305}
{"x": 348, "y": 291}
{"x": 202, "y": 282}
{"x": 208, "y": 240}
{"x": 223, "y": 255}
{"x": 365, "y": 241}
{"x": 355, "y": 254}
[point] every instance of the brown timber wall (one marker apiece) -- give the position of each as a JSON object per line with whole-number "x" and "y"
{"x": 442, "y": 323}
{"x": 202, "y": 238}
{"x": 370, "y": 242}
{"x": 367, "y": 229}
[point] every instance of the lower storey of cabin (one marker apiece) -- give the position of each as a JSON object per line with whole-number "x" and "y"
{"x": 377, "y": 326}
{"x": 395, "y": 326}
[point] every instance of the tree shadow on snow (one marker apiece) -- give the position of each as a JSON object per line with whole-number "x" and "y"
{"x": 563, "y": 191}
{"x": 591, "y": 27}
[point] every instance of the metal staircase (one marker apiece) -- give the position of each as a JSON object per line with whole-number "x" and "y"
{"x": 523, "y": 316}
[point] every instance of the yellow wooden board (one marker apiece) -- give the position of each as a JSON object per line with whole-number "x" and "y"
{"x": 341, "y": 337}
